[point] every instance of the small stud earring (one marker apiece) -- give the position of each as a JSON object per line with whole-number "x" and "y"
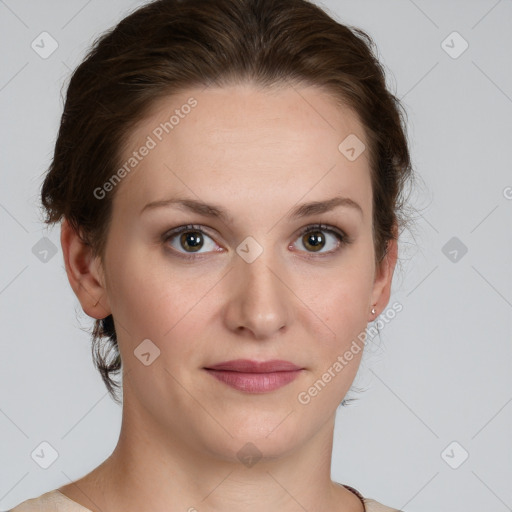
{"x": 373, "y": 311}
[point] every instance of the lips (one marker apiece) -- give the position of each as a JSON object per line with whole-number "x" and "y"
{"x": 249, "y": 366}
{"x": 253, "y": 376}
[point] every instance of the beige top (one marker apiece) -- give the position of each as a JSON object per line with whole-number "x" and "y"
{"x": 55, "y": 501}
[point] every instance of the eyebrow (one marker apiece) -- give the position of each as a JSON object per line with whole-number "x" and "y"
{"x": 214, "y": 211}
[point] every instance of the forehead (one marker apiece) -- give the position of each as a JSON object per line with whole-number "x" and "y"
{"x": 247, "y": 142}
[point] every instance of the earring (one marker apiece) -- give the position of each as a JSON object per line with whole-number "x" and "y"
{"x": 373, "y": 311}
{"x": 96, "y": 303}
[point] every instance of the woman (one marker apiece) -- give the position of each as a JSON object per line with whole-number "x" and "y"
{"x": 230, "y": 176}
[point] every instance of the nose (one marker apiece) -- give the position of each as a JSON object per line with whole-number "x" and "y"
{"x": 259, "y": 304}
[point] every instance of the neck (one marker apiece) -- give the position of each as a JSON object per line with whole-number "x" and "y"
{"x": 151, "y": 468}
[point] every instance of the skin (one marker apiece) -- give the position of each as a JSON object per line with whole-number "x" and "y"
{"x": 257, "y": 153}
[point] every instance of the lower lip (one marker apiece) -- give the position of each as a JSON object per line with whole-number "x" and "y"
{"x": 254, "y": 382}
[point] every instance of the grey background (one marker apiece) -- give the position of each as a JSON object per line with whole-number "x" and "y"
{"x": 440, "y": 371}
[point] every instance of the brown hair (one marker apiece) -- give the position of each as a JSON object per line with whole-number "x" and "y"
{"x": 169, "y": 45}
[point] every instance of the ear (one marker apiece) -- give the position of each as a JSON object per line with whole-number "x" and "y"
{"x": 383, "y": 277}
{"x": 85, "y": 273}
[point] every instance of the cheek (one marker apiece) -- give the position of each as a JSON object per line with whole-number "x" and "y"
{"x": 344, "y": 294}
{"x": 339, "y": 345}
{"x": 343, "y": 306}
{"x": 347, "y": 320}
{"x": 153, "y": 299}
{"x": 137, "y": 293}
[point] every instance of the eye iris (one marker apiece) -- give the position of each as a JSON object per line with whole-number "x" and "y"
{"x": 317, "y": 237}
{"x": 191, "y": 238}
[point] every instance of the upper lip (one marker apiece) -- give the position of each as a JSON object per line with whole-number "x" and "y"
{"x": 250, "y": 366}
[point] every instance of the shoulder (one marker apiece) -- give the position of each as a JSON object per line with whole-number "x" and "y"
{"x": 374, "y": 506}
{"x": 51, "y": 501}
{"x": 369, "y": 504}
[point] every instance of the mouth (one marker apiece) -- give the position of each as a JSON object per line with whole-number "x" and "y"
{"x": 253, "y": 376}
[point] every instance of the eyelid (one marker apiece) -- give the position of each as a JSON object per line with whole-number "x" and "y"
{"x": 323, "y": 227}
{"x": 171, "y": 233}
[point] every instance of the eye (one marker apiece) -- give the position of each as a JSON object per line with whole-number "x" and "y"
{"x": 191, "y": 238}
{"x": 313, "y": 239}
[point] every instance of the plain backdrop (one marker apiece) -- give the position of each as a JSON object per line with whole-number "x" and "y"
{"x": 432, "y": 430}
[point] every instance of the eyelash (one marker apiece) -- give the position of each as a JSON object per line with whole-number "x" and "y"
{"x": 340, "y": 235}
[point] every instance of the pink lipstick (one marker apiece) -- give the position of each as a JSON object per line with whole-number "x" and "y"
{"x": 253, "y": 376}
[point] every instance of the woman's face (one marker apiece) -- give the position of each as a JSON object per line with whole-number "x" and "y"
{"x": 250, "y": 285}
